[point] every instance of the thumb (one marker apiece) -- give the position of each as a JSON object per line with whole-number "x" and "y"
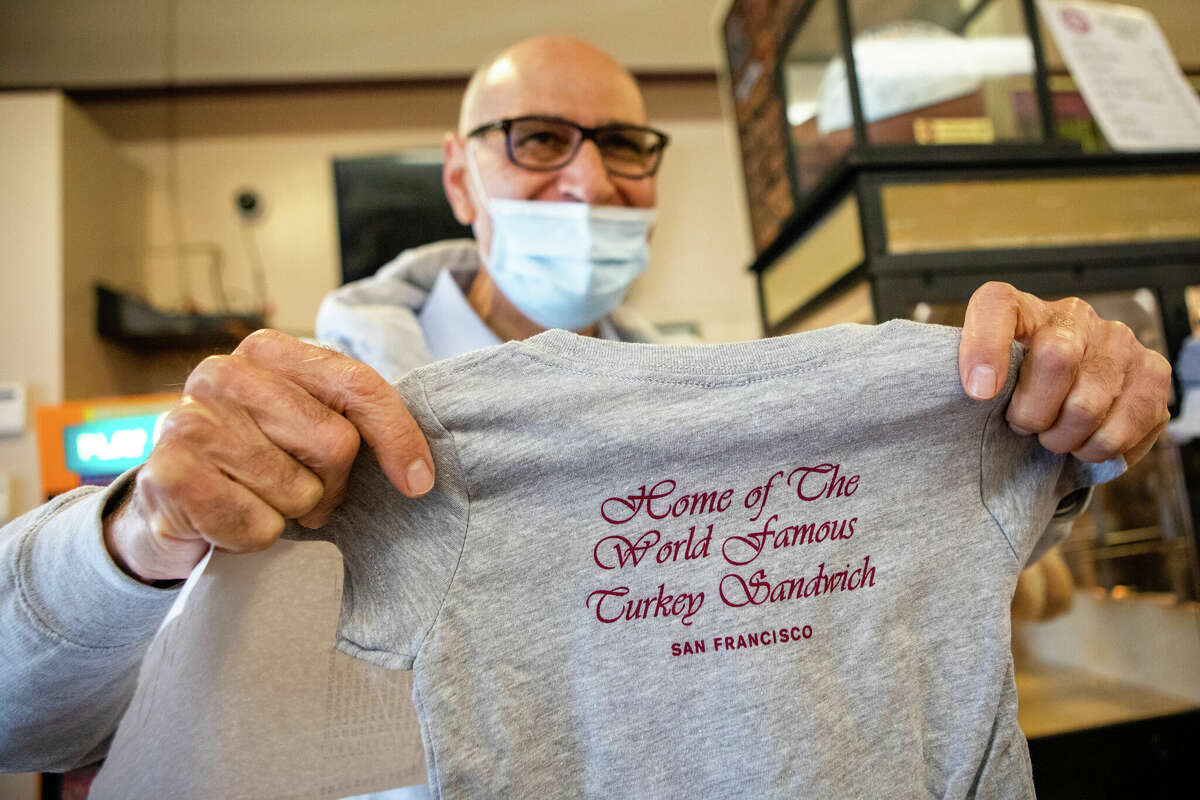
{"x": 996, "y": 315}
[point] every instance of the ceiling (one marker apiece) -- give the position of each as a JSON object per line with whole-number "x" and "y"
{"x": 147, "y": 43}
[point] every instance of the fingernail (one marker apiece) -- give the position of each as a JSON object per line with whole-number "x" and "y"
{"x": 314, "y": 520}
{"x": 420, "y": 479}
{"x": 981, "y": 384}
{"x": 1018, "y": 430}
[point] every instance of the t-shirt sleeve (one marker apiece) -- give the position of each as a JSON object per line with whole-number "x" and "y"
{"x": 399, "y": 553}
{"x": 1022, "y": 484}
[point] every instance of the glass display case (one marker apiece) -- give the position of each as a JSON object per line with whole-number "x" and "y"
{"x": 926, "y": 73}
{"x": 920, "y": 73}
{"x": 899, "y": 153}
{"x": 892, "y": 118}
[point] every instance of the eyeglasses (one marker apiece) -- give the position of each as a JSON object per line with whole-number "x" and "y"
{"x": 549, "y": 143}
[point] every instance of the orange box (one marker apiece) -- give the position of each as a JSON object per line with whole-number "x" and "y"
{"x": 52, "y": 422}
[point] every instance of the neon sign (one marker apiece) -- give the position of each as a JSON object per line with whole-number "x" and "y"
{"x": 109, "y": 446}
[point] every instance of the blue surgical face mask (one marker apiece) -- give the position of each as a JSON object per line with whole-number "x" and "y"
{"x": 564, "y": 265}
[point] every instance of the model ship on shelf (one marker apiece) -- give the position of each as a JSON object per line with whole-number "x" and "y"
{"x": 132, "y": 322}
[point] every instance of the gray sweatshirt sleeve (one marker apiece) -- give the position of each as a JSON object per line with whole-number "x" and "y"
{"x": 73, "y": 630}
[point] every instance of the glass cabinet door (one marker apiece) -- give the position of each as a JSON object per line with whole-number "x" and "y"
{"x": 945, "y": 71}
{"x": 930, "y": 72}
{"x": 1107, "y": 627}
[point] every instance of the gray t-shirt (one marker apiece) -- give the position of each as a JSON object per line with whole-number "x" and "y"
{"x": 751, "y": 569}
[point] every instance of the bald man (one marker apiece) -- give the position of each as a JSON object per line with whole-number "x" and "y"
{"x": 515, "y": 142}
{"x": 246, "y": 698}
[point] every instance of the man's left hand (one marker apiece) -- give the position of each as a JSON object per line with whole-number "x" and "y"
{"x": 1087, "y": 386}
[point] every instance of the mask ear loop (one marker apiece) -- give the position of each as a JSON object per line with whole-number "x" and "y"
{"x": 473, "y": 171}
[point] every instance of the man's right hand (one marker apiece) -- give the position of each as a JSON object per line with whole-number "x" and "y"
{"x": 265, "y": 434}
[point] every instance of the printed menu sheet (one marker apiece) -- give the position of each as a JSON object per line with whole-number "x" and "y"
{"x": 1127, "y": 74}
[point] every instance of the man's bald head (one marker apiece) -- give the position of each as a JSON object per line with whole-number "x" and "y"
{"x": 553, "y": 75}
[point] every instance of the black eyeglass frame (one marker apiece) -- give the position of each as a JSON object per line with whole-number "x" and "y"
{"x": 586, "y": 134}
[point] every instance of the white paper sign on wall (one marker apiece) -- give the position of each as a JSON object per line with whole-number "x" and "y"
{"x": 12, "y": 409}
{"x": 1127, "y": 74}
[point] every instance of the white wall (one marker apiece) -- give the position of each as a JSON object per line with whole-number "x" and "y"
{"x": 73, "y": 211}
{"x": 281, "y": 144}
{"x": 103, "y": 205}
{"x": 701, "y": 244}
{"x": 31, "y": 323}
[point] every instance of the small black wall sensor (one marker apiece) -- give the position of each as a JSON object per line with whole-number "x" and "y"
{"x": 248, "y": 204}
